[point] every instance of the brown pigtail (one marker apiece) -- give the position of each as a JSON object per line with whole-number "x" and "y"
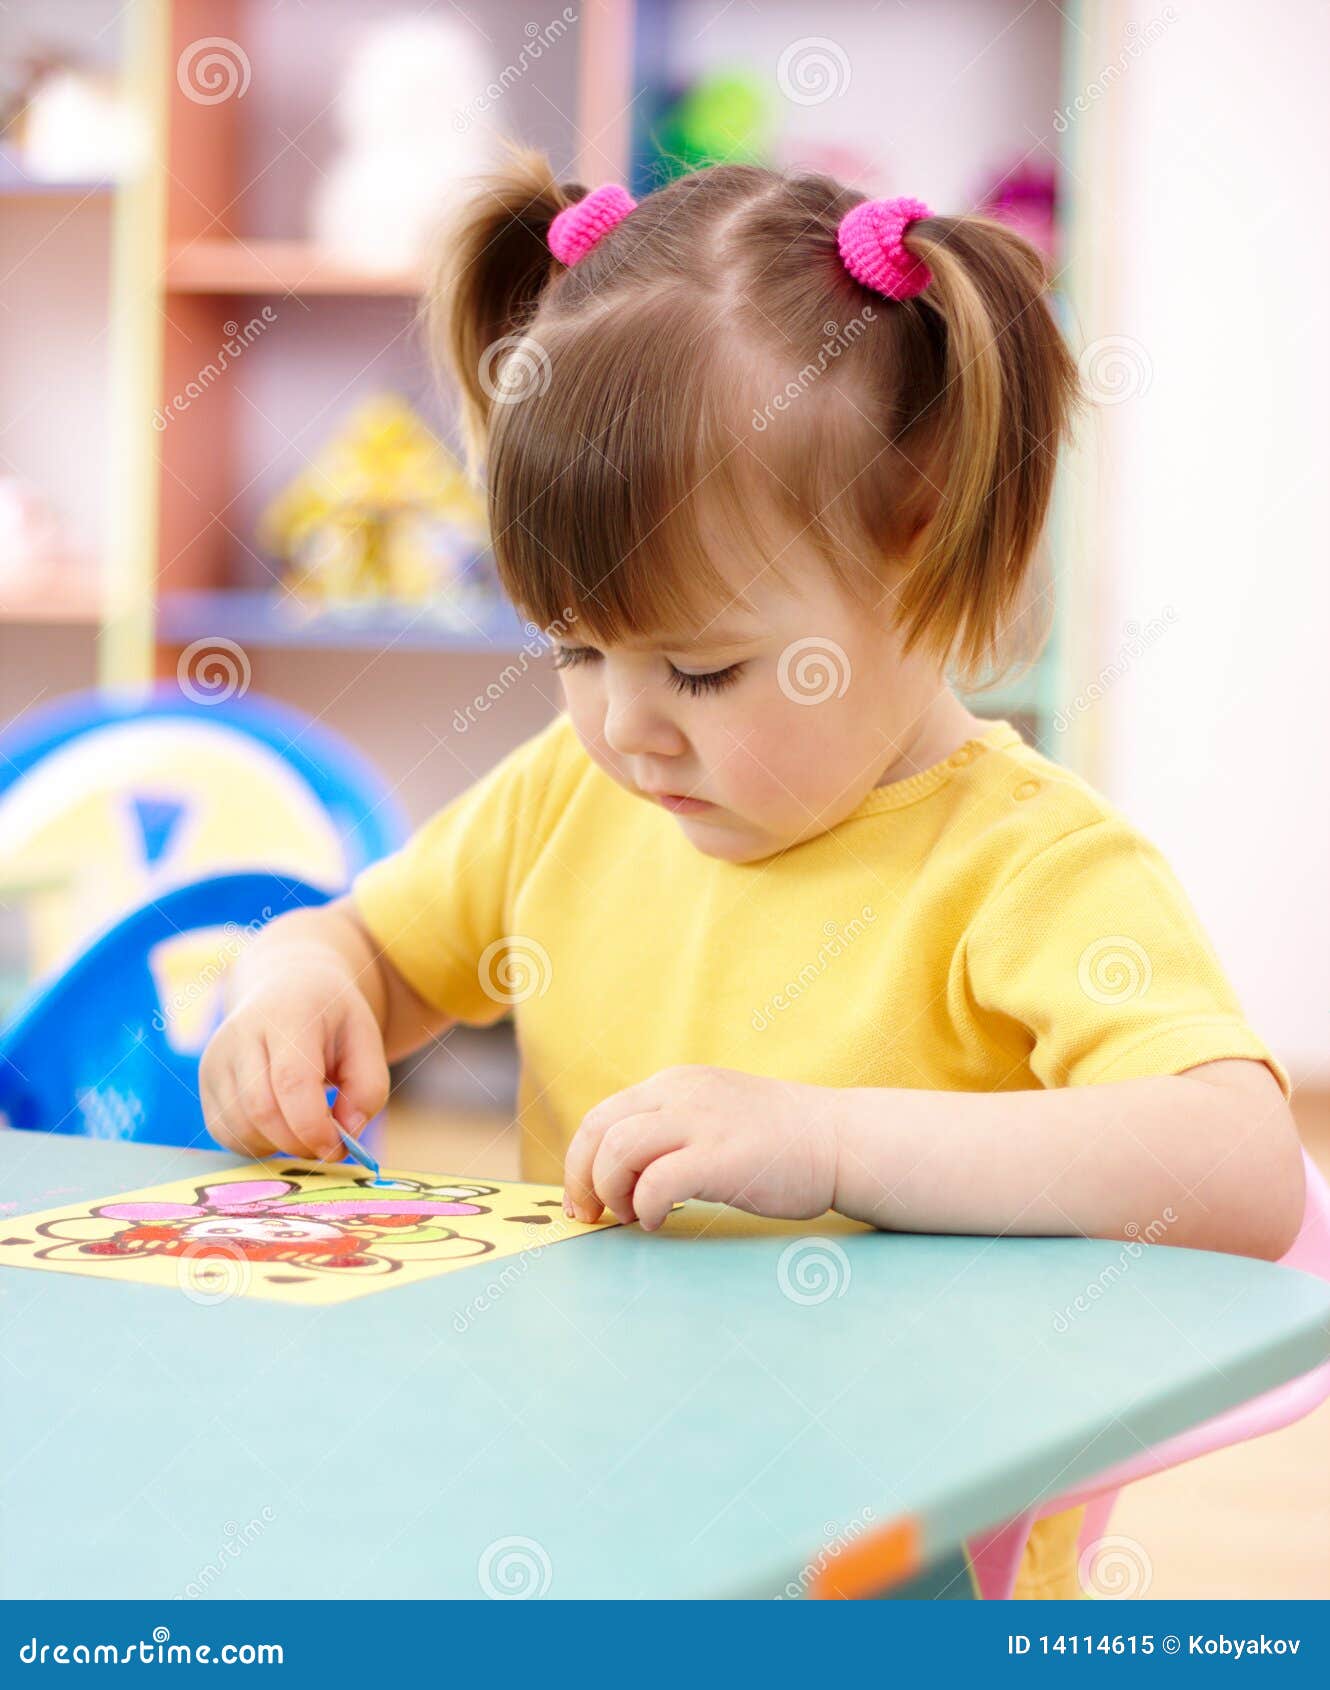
{"x": 490, "y": 266}
{"x": 1010, "y": 388}
{"x": 714, "y": 379}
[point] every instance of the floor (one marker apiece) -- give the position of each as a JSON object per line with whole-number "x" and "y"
{"x": 1251, "y": 1521}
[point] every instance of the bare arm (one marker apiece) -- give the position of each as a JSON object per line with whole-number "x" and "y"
{"x": 333, "y": 938}
{"x": 1209, "y": 1158}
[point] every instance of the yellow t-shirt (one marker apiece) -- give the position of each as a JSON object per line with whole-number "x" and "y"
{"x": 990, "y": 924}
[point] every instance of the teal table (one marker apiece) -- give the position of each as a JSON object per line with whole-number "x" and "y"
{"x": 713, "y": 1409}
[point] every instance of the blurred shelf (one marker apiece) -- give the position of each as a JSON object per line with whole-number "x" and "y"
{"x": 15, "y": 181}
{"x": 259, "y": 618}
{"x": 261, "y": 266}
{"x": 76, "y": 603}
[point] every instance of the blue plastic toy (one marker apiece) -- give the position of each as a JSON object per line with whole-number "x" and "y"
{"x": 99, "y": 1050}
{"x": 107, "y": 802}
{"x": 363, "y": 812}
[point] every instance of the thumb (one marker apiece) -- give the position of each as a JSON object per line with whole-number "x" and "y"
{"x": 358, "y": 1068}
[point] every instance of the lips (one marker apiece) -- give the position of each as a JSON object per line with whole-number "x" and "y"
{"x": 679, "y": 803}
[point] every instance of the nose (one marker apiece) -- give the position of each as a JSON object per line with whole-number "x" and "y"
{"x": 635, "y": 726}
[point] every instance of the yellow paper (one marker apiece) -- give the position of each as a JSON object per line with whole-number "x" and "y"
{"x": 292, "y": 1232}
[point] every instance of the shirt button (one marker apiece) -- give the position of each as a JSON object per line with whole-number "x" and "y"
{"x": 959, "y": 759}
{"x": 1026, "y": 789}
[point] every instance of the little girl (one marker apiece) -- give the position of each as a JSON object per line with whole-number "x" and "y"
{"x": 781, "y": 923}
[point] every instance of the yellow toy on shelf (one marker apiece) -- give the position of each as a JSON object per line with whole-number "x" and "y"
{"x": 383, "y": 514}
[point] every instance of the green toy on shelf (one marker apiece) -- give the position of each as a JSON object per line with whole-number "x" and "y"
{"x": 722, "y": 119}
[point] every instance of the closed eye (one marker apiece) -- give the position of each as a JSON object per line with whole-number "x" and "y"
{"x": 715, "y": 680}
{"x": 569, "y": 656}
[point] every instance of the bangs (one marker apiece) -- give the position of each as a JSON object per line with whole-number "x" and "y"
{"x": 710, "y": 396}
{"x": 638, "y": 484}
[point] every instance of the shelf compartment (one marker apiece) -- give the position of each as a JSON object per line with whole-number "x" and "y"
{"x": 15, "y": 181}
{"x": 262, "y": 618}
{"x": 225, "y": 265}
{"x": 74, "y": 604}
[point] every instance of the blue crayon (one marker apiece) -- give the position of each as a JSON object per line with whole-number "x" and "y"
{"x": 361, "y": 1155}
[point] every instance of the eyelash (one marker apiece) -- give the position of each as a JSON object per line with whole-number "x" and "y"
{"x": 696, "y": 685}
{"x": 569, "y": 657}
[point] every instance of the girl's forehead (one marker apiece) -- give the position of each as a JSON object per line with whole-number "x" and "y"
{"x": 721, "y": 632}
{"x": 756, "y": 607}
{"x": 708, "y": 630}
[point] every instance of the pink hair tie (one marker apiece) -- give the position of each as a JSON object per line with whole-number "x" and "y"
{"x": 871, "y": 248}
{"x": 578, "y": 227}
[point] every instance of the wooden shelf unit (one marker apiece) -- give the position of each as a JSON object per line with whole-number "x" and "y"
{"x": 277, "y": 620}
{"x": 195, "y": 259}
{"x": 230, "y": 265}
{"x": 193, "y": 253}
{"x": 79, "y": 604}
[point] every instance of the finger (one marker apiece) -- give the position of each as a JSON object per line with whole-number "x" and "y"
{"x": 579, "y": 1191}
{"x": 232, "y": 1138}
{"x": 216, "y": 1081}
{"x": 228, "y": 1122}
{"x": 669, "y": 1180}
{"x": 258, "y": 1109}
{"x": 358, "y": 1068}
{"x": 626, "y": 1149}
{"x": 299, "y": 1088}
{"x": 632, "y": 1100}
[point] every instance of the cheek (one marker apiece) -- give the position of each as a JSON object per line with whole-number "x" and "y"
{"x": 767, "y": 761}
{"x": 584, "y": 711}
{"x": 797, "y": 756}
{"x": 588, "y": 719}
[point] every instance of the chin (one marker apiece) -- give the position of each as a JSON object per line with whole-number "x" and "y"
{"x": 726, "y": 846}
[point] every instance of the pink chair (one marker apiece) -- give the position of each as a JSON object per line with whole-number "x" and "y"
{"x": 995, "y": 1556}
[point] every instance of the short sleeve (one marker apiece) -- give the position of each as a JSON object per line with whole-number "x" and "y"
{"x": 1094, "y": 949}
{"x": 438, "y": 908}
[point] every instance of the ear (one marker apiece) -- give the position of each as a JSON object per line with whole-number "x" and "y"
{"x": 923, "y": 478}
{"x": 900, "y": 553}
{"x": 923, "y": 511}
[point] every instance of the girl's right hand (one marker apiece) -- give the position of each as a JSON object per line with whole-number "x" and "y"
{"x": 264, "y": 1075}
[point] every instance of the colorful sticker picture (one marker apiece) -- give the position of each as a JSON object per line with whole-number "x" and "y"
{"x": 291, "y": 1232}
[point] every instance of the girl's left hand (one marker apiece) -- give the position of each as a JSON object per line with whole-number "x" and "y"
{"x": 768, "y": 1146}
